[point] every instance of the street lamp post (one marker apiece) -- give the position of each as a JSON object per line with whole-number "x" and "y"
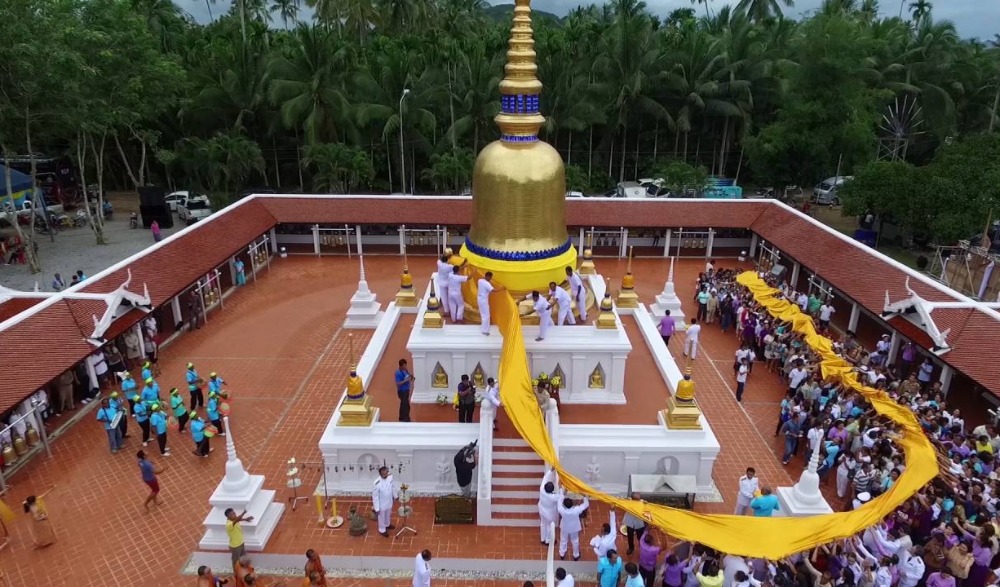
{"x": 402, "y": 153}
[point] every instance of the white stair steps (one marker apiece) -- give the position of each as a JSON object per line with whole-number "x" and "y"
{"x": 522, "y": 468}
{"x": 502, "y": 494}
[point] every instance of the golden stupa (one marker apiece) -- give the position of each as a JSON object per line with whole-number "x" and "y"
{"x": 519, "y": 183}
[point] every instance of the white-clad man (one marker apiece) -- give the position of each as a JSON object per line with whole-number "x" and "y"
{"x": 691, "y": 339}
{"x": 484, "y": 288}
{"x": 441, "y": 280}
{"x": 456, "y": 304}
{"x": 548, "y": 504}
{"x": 605, "y": 541}
{"x": 570, "y": 526}
{"x": 749, "y": 484}
{"x": 802, "y": 301}
{"x": 564, "y": 579}
{"x": 826, "y": 312}
{"x": 579, "y": 292}
{"x": 422, "y": 569}
{"x": 911, "y": 567}
{"x": 493, "y": 396}
{"x": 561, "y": 297}
{"x": 544, "y": 311}
{"x": 383, "y": 496}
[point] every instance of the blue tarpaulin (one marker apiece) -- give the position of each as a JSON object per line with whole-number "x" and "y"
{"x": 19, "y": 181}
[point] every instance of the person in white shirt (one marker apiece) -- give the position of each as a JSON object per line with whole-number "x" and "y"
{"x": 561, "y": 297}
{"x": 444, "y": 269}
{"x": 796, "y": 376}
{"x": 732, "y": 564}
{"x": 815, "y": 438}
{"x": 383, "y": 496}
{"x": 422, "y": 569}
{"x": 544, "y": 312}
{"x": 485, "y": 288}
{"x": 455, "y": 301}
{"x": 741, "y": 379}
{"x": 749, "y": 485}
{"x": 493, "y": 396}
{"x": 826, "y": 311}
{"x": 605, "y": 541}
{"x": 709, "y": 267}
{"x": 578, "y": 291}
{"x": 691, "y": 339}
{"x": 564, "y": 579}
{"x": 802, "y": 302}
{"x": 548, "y": 504}
{"x": 570, "y": 526}
{"x": 911, "y": 567}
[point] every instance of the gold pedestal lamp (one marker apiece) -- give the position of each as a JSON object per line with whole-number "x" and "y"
{"x": 587, "y": 265}
{"x": 432, "y": 316}
{"x": 627, "y": 298}
{"x": 406, "y": 297}
{"x": 682, "y": 411}
{"x": 357, "y": 408}
{"x": 606, "y": 319}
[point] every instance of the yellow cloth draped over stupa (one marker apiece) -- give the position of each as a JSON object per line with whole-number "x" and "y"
{"x": 772, "y": 538}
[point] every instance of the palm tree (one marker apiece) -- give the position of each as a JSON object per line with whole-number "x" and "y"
{"x": 761, "y": 10}
{"x": 306, "y": 84}
{"x": 477, "y": 94}
{"x": 288, "y": 10}
{"x": 920, "y": 9}
{"x": 705, "y": 2}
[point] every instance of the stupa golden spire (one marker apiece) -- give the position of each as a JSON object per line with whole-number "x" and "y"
{"x": 519, "y": 182}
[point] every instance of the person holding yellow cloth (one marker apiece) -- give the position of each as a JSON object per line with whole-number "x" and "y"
{"x": 42, "y": 533}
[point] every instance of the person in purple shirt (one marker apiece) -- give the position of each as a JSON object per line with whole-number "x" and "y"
{"x": 667, "y": 325}
{"x": 649, "y": 551}
{"x": 673, "y": 571}
{"x": 942, "y": 578}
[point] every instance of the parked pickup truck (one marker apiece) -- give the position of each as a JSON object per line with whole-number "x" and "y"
{"x": 194, "y": 209}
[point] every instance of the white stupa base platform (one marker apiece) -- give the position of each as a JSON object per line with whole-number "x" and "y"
{"x": 793, "y": 507}
{"x": 668, "y": 300}
{"x": 365, "y": 311}
{"x": 258, "y": 502}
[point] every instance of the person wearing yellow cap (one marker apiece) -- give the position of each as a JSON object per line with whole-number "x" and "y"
{"x": 194, "y": 387}
{"x": 117, "y": 403}
{"x": 147, "y": 370}
{"x": 201, "y": 447}
{"x": 150, "y": 392}
{"x": 215, "y": 383}
{"x": 128, "y": 389}
{"x": 141, "y": 411}
{"x": 179, "y": 409}
{"x": 158, "y": 421}
{"x": 213, "y": 411}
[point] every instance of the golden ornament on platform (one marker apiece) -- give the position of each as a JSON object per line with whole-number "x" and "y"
{"x": 627, "y": 298}
{"x": 432, "y": 315}
{"x": 406, "y": 297}
{"x": 31, "y": 435}
{"x": 20, "y": 447}
{"x": 9, "y": 456}
{"x": 682, "y": 411}
{"x": 587, "y": 266}
{"x": 357, "y": 407}
{"x": 519, "y": 182}
{"x": 606, "y": 319}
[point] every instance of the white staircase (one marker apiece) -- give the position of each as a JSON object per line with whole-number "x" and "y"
{"x": 517, "y": 473}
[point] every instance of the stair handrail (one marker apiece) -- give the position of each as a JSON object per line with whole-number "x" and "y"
{"x": 552, "y": 426}
{"x": 486, "y": 413}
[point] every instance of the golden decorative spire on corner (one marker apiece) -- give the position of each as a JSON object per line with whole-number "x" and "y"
{"x": 519, "y": 118}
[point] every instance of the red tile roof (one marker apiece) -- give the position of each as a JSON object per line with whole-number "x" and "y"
{"x": 52, "y": 340}
{"x": 15, "y": 306}
{"x": 911, "y": 331}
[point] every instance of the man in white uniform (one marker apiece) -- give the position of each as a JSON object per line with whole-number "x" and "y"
{"x": 749, "y": 484}
{"x": 564, "y": 579}
{"x": 569, "y": 525}
{"x": 544, "y": 312}
{"x": 493, "y": 396}
{"x": 383, "y": 496}
{"x": 565, "y": 302}
{"x": 456, "y": 304}
{"x": 485, "y": 288}
{"x": 578, "y": 291}
{"x": 548, "y": 504}
{"x": 691, "y": 339}
{"x": 422, "y": 569}
{"x": 444, "y": 270}
{"x": 605, "y": 541}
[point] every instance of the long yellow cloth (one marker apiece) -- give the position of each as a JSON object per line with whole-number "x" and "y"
{"x": 771, "y": 538}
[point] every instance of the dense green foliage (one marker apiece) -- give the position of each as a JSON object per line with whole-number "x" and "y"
{"x": 137, "y": 92}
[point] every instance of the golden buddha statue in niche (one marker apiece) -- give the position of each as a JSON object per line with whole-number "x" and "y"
{"x": 596, "y": 379}
{"x": 440, "y": 380}
{"x": 478, "y": 377}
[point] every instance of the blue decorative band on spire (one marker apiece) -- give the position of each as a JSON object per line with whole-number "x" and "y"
{"x": 520, "y": 104}
{"x": 516, "y": 255}
{"x": 519, "y": 138}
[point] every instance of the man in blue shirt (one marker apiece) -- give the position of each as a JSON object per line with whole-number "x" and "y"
{"x": 106, "y": 415}
{"x": 147, "y": 370}
{"x": 198, "y": 436}
{"x": 141, "y": 411}
{"x": 150, "y": 392}
{"x": 215, "y": 383}
{"x": 609, "y": 569}
{"x": 404, "y": 384}
{"x": 179, "y": 409}
{"x": 213, "y": 412}
{"x": 194, "y": 387}
{"x": 158, "y": 420}
{"x": 148, "y": 471}
{"x": 116, "y": 404}
{"x": 765, "y": 504}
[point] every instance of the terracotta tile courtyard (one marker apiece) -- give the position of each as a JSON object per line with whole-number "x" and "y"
{"x": 280, "y": 346}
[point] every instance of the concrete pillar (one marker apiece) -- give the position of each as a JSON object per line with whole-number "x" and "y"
{"x": 666, "y": 242}
{"x": 852, "y": 324}
{"x": 711, "y": 242}
{"x": 753, "y": 244}
{"x": 142, "y": 339}
{"x": 794, "y": 279}
{"x": 274, "y": 241}
{"x": 316, "y": 248}
{"x": 444, "y": 239}
{"x": 583, "y": 244}
{"x": 946, "y": 375}
{"x": 232, "y": 269}
{"x": 894, "y": 344}
{"x": 623, "y": 251}
{"x": 357, "y": 232}
{"x": 175, "y": 305}
{"x": 402, "y": 239}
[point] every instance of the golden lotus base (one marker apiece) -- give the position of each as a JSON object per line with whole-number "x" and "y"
{"x": 587, "y": 267}
{"x": 682, "y": 415}
{"x": 627, "y": 298}
{"x": 433, "y": 319}
{"x": 356, "y": 412}
{"x": 406, "y": 297}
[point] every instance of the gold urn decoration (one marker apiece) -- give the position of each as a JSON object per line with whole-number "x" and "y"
{"x": 606, "y": 318}
{"x": 627, "y": 298}
{"x": 31, "y": 435}
{"x": 20, "y": 447}
{"x": 432, "y": 315}
{"x": 406, "y": 297}
{"x": 587, "y": 265}
{"x": 682, "y": 411}
{"x": 357, "y": 407}
{"x": 9, "y": 456}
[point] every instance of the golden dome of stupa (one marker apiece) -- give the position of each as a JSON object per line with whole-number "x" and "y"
{"x": 519, "y": 182}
